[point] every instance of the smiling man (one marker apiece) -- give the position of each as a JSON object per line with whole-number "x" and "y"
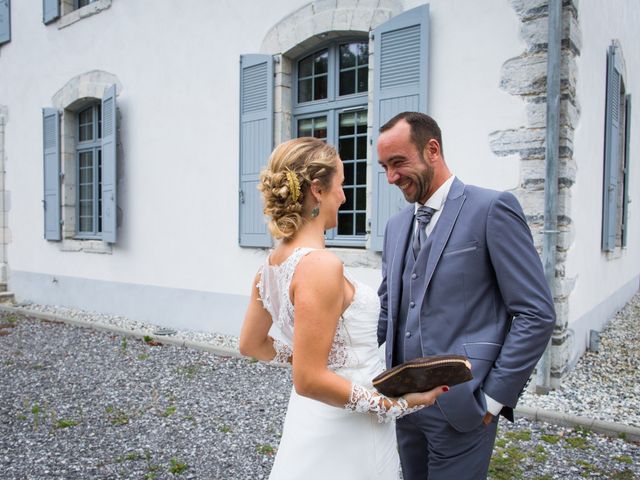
{"x": 460, "y": 275}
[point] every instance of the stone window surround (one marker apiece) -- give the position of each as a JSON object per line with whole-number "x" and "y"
{"x": 71, "y": 15}
{"x": 301, "y": 32}
{"x": 77, "y": 93}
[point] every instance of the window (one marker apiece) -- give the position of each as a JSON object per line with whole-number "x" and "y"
{"x": 64, "y": 12}
{"x": 323, "y": 90}
{"x": 80, "y": 175}
{"x": 331, "y": 104}
{"x": 89, "y": 172}
{"x": 616, "y": 154}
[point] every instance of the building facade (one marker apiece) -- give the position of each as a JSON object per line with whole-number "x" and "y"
{"x": 132, "y": 135}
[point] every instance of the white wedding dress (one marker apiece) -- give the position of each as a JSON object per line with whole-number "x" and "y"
{"x": 320, "y": 441}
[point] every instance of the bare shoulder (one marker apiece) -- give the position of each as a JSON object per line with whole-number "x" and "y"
{"x": 319, "y": 263}
{"x": 319, "y": 267}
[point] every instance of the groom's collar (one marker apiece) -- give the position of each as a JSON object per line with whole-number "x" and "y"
{"x": 436, "y": 201}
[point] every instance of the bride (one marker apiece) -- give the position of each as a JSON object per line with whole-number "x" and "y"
{"x": 336, "y": 422}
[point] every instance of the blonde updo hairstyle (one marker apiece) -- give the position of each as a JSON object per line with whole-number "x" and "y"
{"x": 304, "y": 159}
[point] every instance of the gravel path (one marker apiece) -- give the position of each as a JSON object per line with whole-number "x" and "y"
{"x": 79, "y": 403}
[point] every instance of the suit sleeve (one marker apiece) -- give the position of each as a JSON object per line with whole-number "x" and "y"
{"x": 525, "y": 292}
{"x": 383, "y": 294}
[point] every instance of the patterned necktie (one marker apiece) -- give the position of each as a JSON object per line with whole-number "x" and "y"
{"x": 423, "y": 216}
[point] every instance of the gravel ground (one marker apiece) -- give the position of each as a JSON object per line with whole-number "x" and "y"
{"x": 79, "y": 403}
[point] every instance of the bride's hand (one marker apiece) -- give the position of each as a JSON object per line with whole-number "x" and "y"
{"x": 425, "y": 398}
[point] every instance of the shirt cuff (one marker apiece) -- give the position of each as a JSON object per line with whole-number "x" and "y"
{"x": 493, "y": 407}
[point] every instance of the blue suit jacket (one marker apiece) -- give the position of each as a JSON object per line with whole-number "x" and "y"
{"x": 484, "y": 295}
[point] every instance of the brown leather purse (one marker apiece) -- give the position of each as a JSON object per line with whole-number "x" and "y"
{"x": 423, "y": 374}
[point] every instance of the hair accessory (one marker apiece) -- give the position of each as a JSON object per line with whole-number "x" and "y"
{"x": 294, "y": 184}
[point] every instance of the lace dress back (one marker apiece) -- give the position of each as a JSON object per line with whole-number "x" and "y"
{"x": 320, "y": 441}
{"x": 355, "y": 340}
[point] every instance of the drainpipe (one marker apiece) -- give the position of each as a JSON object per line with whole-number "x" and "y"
{"x": 550, "y": 239}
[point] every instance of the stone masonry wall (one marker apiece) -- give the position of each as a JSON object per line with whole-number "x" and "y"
{"x": 526, "y": 76}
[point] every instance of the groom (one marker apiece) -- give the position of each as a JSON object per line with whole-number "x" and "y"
{"x": 460, "y": 275}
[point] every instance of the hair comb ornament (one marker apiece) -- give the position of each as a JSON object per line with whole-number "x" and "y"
{"x": 294, "y": 184}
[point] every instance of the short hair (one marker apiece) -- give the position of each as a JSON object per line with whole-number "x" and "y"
{"x": 423, "y": 128}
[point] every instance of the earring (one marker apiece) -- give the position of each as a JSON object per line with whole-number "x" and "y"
{"x": 315, "y": 211}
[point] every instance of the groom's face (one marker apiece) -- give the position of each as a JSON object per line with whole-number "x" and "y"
{"x": 405, "y": 166}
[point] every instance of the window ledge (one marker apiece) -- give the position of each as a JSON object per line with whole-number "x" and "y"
{"x": 84, "y": 12}
{"x": 617, "y": 253}
{"x": 355, "y": 258}
{"x": 87, "y": 246}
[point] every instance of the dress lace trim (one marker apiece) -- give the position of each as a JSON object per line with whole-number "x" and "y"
{"x": 364, "y": 400}
{"x": 273, "y": 288}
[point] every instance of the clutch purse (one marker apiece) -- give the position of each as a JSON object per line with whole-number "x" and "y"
{"x": 423, "y": 374}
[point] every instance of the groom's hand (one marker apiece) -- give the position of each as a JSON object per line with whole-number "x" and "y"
{"x": 487, "y": 418}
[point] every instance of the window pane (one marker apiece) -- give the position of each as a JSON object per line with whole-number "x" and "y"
{"x": 347, "y": 82}
{"x": 313, "y": 127}
{"x": 346, "y": 148}
{"x": 361, "y": 122}
{"x": 348, "y": 173}
{"x": 363, "y": 53}
{"x": 361, "y": 173}
{"x": 305, "y": 127}
{"x": 347, "y": 124}
{"x": 361, "y": 224}
{"x": 305, "y": 67}
{"x": 320, "y": 88}
{"x": 85, "y": 225}
{"x": 354, "y": 67}
{"x": 362, "y": 148}
{"x": 363, "y": 80}
{"x": 321, "y": 62}
{"x": 305, "y": 88}
{"x": 99, "y": 117}
{"x": 345, "y": 224}
{"x": 99, "y": 191}
{"x": 348, "y": 204}
{"x": 85, "y": 125}
{"x": 361, "y": 199}
{"x": 347, "y": 56}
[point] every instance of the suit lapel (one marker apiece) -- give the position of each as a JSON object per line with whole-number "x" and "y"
{"x": 440, "y": 234}
{"x": 403, "y": 237}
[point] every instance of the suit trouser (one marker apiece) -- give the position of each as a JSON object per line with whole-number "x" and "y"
{"x": 430, "y": 448}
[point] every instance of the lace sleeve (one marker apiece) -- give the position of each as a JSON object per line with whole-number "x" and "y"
{"x": 364, "y": 400}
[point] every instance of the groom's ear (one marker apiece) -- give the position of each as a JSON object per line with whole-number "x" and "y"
{"x": 431, "y": 150}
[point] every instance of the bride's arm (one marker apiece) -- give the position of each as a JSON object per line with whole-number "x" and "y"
{"x": 318, "y": 293}
{"x": 254, "y": 337}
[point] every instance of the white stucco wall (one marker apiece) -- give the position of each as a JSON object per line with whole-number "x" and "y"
{"x": 469, "y": 42}
{"x": 179, "y": 126}
{"x": 598, "y": 275}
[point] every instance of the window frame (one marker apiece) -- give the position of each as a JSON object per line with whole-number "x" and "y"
{"x": 614, "y": 230}
{"x": 332, "y": 107}
{"x": 95, "y": 147}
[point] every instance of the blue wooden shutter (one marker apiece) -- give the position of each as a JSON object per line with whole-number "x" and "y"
{"x": 51, "y": 148}
{"x": 625, "y": 196}
{"x": 109, "y": 165}
{"x": 401, "y": 46}
{"x": 611, "y": 152}
{"x": 256, "y": 143}
{"x": 50, "y": 10}
{"x": 5, "y": 21}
